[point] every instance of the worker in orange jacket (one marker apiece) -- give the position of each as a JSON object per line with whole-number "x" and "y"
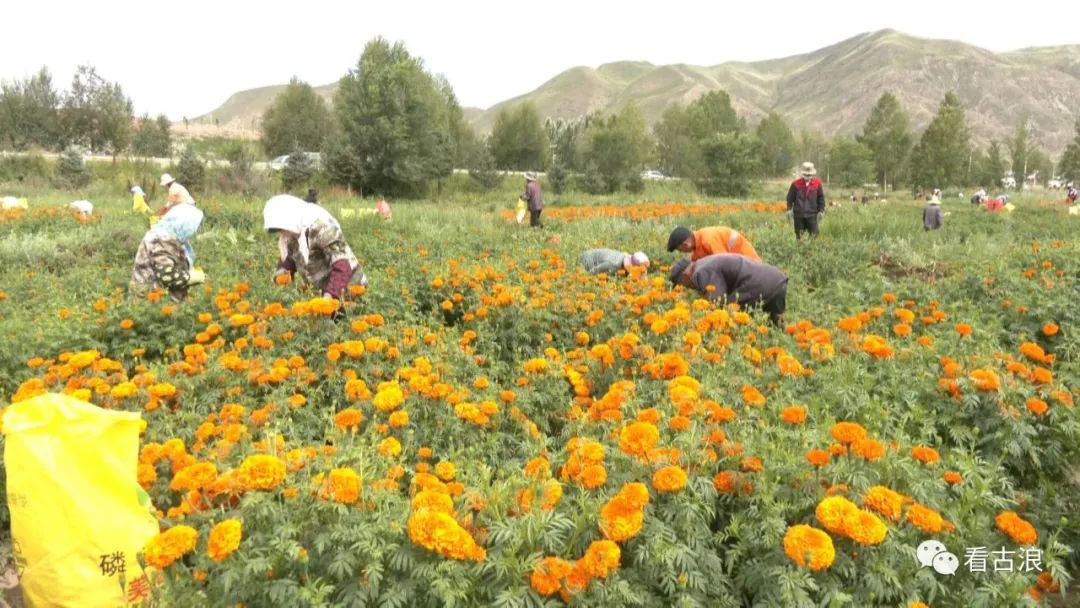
{"x": 710, "y": 241}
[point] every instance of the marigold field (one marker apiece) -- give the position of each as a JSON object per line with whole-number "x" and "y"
{"x": 489, "y": 426}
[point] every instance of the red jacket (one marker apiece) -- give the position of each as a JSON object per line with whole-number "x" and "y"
{"x": 806, "y": 199}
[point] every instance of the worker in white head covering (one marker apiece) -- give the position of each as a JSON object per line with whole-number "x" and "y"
{"x": 311, "y": 241}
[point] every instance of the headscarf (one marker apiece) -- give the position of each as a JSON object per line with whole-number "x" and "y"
{"x": 137, "y": 190}
{"x": 181, "y": 223}
{"x": 293, "y": 214}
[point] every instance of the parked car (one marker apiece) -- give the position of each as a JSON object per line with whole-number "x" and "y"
{"x": 652, "y": 175}
{"x": 279, "y": 163}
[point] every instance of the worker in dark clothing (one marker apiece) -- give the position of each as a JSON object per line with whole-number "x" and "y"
{"x": 806, "y": 201}
{"x": 735, "y": 279}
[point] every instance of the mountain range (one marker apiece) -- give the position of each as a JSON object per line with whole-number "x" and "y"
{"x": 830, "y": 90}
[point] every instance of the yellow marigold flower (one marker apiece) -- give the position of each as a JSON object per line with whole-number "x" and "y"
{"x": 399, "y": 419}
{"x": 224, "y": 539}
{"x": 834, "y": 512}
{"x": 593, "y": 476}
{"x": 865, "y": 528}
{"x": 390, "y": 447}
{"x": 552, "y": 493}
{"x": 1016, "y": 528}
{"x": 195, "y": 477}
{"x": 809, "y": 547}
{"x": 262, "y": 472}
{"x": 445, "y": 470}
{"x": 669, "y": 479}
{"x": 433, "y": 500}
{"x": 168, "y": 546}
{"x": 388, "y": 397}
{"x": 341, "y": 486}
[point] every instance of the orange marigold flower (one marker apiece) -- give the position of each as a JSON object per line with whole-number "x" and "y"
{"x": 548, "y": 575}
{"x": 341, "y": 486}
{"x": 818, "y": 458}
{"x": 1036, "y": 406}
{"x": 669, "y": 479}
{"x": 441, "y": 533}
{"x": 926, "y": 455}
{"x": 809, "y": 547}
{"x": 725, "y": 482}
{"x": 870, "y": 449}
{"x": 952, "y": 477}
{"x": 985, "y": 380}
{"x": 752, "y": 396}
{"x": 262, "y": 472}
{"x": 750, "y": 464}
{"x": 963, "y": 329}
{"x": 833, "y": 513}
{"x": 638, "y": 438}
{"x": 601, "y": 558}
{"x": 793, "y": 414}
{"x": 593, "y": 476}
{"x": 884, "y": 501}
{"x": 349, "y": 418}
{"x": 848, "y": 432}
{"x": 925, "y": 519}
{"x": 1050, "y": 329}
{"x": 224, "y": 539}
{"x": 168, "y": 546}
{"x": 1016, "y": 528}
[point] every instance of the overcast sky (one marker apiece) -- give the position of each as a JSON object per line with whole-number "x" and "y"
{"x": 185, "y": 58}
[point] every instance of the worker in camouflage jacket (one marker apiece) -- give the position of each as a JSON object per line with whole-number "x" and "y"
{"x": 311, "y": 242}
{"x": 165, "y": 258}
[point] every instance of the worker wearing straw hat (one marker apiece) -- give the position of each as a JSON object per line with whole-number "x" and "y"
{"x": 806, "y": 201}
{"x": 178, "y": 194}
{"x": 534, "y": 197}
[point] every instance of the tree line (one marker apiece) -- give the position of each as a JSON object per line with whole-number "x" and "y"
{"x": 395, "y": 128}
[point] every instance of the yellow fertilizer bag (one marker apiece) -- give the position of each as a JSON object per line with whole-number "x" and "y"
{"x": 78, "y": 514}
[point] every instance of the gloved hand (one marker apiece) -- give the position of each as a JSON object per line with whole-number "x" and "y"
{"x": 790, "y": 213}
{"x": 197, "y": 276}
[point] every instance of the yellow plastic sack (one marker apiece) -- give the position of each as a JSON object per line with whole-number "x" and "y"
{"x": 78, "y": 514}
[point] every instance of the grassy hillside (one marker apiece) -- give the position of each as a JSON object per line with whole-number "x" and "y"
{"x": 831, "y": 89}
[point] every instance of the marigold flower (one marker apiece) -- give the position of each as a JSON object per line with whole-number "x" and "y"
{"x": 925, "y": 519}
{"x": 884, "y": 501}
{"x": 833, "y": 513}
{"x": 848, "y": 432}
{"x": 262, "y": 472}
{"x": 224, "y": 539}
{"x": 389, "y": 447}
{"x": 398, "y": 419}
{"x": 168, "y": 546}
{"x": 669, "y": 479}
{"x": 349, "y": 418}
{"x": 985, "y": 380}
{"x": 388, "y": 397}
{"x": 1036, "y": 406}
{"x": 794, "y": 414}
{"x": 818, "y": 458}
{"x": 548, "y": 575}
{"x": 341, "y": 486}
{"x": 963, "y": 329}
{"x": 809, "y": 547}
{"x": 440, "y": 533}
{"x": 1050, "y": 329}
{"x": 924, "y": 454}
{"x": 593, "y": 476}
{"x": 1016, "y": 528}
{"x": 952, "y": 477}
{"x": 601, "y": 558}
{"x": 433, "y": 500}
{"x": 638, "y": 438}
{"x": 752, "y": 396}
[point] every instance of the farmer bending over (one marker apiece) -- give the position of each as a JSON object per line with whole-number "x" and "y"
{"x": 735, "y": 278}
{"x": 611, "y": 261}
{"x": 165, "y": 258}
{"x": 709, "y": 241}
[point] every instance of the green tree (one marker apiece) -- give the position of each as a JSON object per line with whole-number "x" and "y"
{"x": 518, "y": 140}
{"x": 1020, "y": 146}
{"x": 991, "y": 168}
{"x": 812, "y": 147}
{"x": 71, "y": 171}
{"x": 297, "y": 119}
{"x": 619, "y": 146}
{"x": 394, "y": 124}
{"x": 1069, "y": 165}
{"x": 482, "y": 169}
{"x": 941, "y": 157}
{"x": 1039, "y": 161}
{"x": 190, "y": 170}
{"x": 777, "y": 146}
{"x": 886, "y": 133}
{"x": 29, "y": 113}
{"x": 567, "y": 140}
{"x": 153, "y": 138}
{"x": 850, "y": 163}
{"x": 683, "y": 129}
{"x": 730, "y": 161}
{"x": 96, "y": 113}
{"x": 298, "y": 171}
